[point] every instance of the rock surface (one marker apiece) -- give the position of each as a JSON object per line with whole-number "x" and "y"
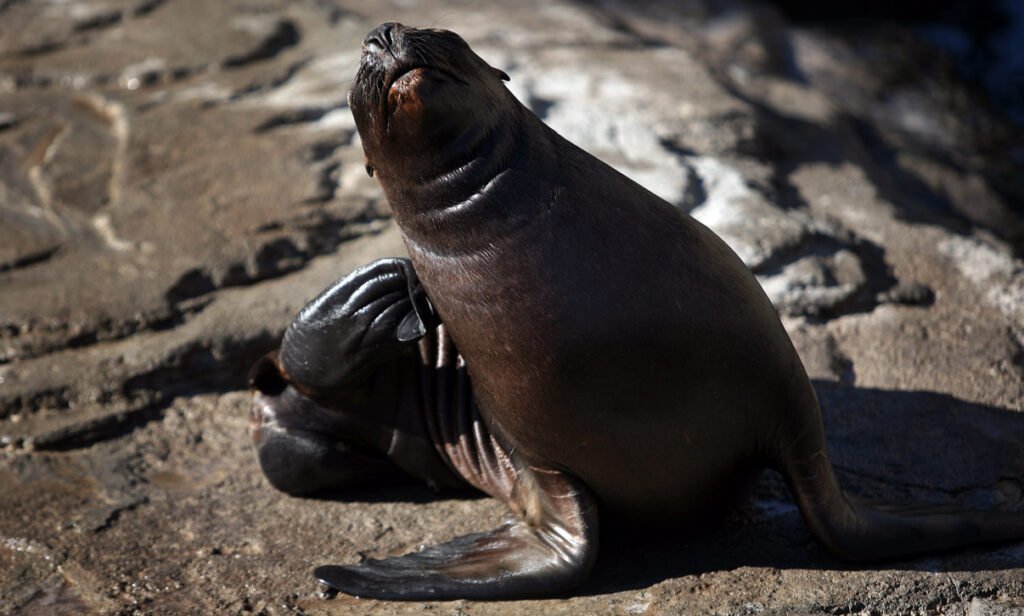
{"x": 177, "y": 177}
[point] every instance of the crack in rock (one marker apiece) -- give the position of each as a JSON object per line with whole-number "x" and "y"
{"x": 119, "y": 408}
{"x": 79, "y": 30}
{"x": 321, "y": 233}
{"x": 31, "y": 339}
{"x": 88, "y": 432}
{"x": 27, "y": 260}
{"x": 327, "y": 184}
{"x": 301, "y": 115}
{"x": 8, "y": 120}
{"x": 286, "y": 34}
{"x": 147, "y": 7}
{"x": 274, "y": 258}
{"x": 322, "y": 150}
{"x": 6, "y": 4}
{"x": 259, "y": 87}
{"x": 100, "y": 21}
{"x": 103, "y": 519}
{"x": 58, "y": 397}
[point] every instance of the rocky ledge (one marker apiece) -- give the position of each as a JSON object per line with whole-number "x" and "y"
{"x": 177, "y": 177}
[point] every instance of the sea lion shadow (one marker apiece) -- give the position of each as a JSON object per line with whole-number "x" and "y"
{"x": 914, "y": 447}
{"x": 395, "y": 490}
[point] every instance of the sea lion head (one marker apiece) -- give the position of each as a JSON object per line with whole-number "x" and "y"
{"x": 303, "y": 446}
{"x": 420, "y": 98}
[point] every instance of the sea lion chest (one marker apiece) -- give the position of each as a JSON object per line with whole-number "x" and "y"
{"x": 597, "y": 342}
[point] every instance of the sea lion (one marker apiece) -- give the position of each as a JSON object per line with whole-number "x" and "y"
{"x": 562, "y": 339}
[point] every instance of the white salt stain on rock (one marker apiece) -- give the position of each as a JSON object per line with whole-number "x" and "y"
{"x": 977, "y": 260}
{"x": 133, "y": 75}
{"x": 340, "y": 118}
{"x": 1009, "y": 298}
{"x": 324, "y": 82}
{"x": 726, "y": 191}
{"x": 105, "y": 229}
{"x": 992, "y": 268}
{"x": 256, "y": 25}
{"x": 205, "y": 91}
{"x": 598, "y": 111}
{"x": 752, "y": 226}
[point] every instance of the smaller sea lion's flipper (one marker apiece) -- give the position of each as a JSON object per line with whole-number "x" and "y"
{"x": 355, "y": 325}
{"x": 548, "y": 550}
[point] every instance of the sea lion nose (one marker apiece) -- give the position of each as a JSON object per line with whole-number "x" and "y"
{"x": 265, "y": 376}
{"x": 383, "y": 37}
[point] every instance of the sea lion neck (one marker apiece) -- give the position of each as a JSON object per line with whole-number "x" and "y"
{"x": 492, "y": 180}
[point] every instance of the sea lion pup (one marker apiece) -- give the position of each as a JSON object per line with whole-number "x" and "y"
{"x": 602, "y": 354}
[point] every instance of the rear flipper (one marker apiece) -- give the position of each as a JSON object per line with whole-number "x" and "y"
{"x": 860, "y": 531}
{"x": 550, "y": 549}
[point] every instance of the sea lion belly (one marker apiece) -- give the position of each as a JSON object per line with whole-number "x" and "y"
{"x": 599, "y": 346}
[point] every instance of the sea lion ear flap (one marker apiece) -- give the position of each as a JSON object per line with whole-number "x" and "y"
{"x": 501, "y": 74}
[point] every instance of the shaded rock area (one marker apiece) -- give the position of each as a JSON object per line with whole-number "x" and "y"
{"x": 178, "y": 177}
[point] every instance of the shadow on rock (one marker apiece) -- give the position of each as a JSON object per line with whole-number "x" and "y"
{"x": 879, "y": 152}
{"x": 395, "y": 489}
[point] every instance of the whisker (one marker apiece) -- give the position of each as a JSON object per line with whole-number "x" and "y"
{"x": 437, "y": 21}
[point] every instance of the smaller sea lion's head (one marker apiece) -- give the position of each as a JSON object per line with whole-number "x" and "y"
{"x": 307, "y": 444}
{"x": 303, "y": 446}
{"x": 420, "y": 98}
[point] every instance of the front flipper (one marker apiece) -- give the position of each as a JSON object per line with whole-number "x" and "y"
{"x": 549, "y": 550}
{"x": 355, "y": 325}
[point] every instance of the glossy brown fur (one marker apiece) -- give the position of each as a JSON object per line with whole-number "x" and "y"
{"x": 623, "y": 363}
{"x": 607, "y": 333}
